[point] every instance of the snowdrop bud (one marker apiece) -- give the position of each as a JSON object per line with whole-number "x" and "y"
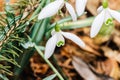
{"x": 105, "y": 3}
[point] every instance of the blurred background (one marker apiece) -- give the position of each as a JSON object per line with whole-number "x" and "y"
{"x": 100, "y": 60}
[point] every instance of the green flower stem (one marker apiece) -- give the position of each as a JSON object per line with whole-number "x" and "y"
{"x": 70, "y": 25}
{"x": 59, "y": 22}
{"x": 27, "y": 53}
{"x": 48, "y": 62}
{"x": 23, "y": 61}
{"x": 40, "y": 31}
{"x": 77, "y": 24}
{"x": 64, "y": 24}
{"x": 54, "y": 60}
{"x": 35, "y": 30}
{"x": 105, "y": 3}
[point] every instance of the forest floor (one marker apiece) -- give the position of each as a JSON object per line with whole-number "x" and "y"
{"x": 99, "y": 60}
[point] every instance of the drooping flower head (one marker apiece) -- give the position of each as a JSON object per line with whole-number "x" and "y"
{"x": 106, "y": 16}
{"x": 53, "y": 7}
{"x": 58, "y": 40}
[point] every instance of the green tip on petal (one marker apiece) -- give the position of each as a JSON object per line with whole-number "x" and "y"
{"x": 109, "y": 21}
{"x": 60, "y": 43}
{"x": 105, "y": 3}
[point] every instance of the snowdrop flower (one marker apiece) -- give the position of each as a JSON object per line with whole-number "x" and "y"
{"x": 52, "y": 8}
{"x": 58, "y": 39}
{"x": 105, "y": 16}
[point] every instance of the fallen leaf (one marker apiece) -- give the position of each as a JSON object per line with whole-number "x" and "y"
{"x": 82, "y": 68}
{"x": 92, "y": 6}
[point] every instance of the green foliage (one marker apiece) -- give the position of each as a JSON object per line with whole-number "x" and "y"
{"x": 10, "y": 39}
{"x": 13, "y": 31}
{"x": 3, "y": 77}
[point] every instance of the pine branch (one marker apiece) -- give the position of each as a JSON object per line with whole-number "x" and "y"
{"x": 6, "y": 37}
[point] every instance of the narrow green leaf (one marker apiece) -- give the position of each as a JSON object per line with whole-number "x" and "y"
{"x": 77, "y": 24}
{"x": 17, "y": 48}
{"x": 5, "y": 69}
{"x": 11, "y": 51}
{"x": 41, "y": 31}
{"x": 35, "y": 29}
{"x": 3, "y": 77}
{"x": 3, "y": 58}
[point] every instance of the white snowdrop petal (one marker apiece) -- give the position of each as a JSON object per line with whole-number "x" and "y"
{"x": 71, "y": 11}
{"x": 80, "y": 6}
{"x": 74, "y": 38}
{"x": 97, "y": 24}
{"x": 115, "y": 14}
{"x": 60, "y": 37}
{"x": 51, "y": 9}
{"x": 53, "y": 32}
{"x": 99, "y": 9}
{"x": 107, "y": 15}
{"x": 50, "y": 46}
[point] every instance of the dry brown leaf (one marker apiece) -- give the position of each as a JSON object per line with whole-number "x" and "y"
{"x": 112, "y": 54}
{"x": 38, "y": 67}
{"x": 68, "y": 73}
{"x": 66, "y": 64}
{"x": 82, "y": 68}
{"x": 13, "y": 1}
{"x": 91, "y": 50}
{"x": 92, "y": 6}
{"x": 69, "y": 50}
{"x": 90, "y": 46}
{"x": 115, "y": 70}
{"x": 116, "y": 39}
{"x": 2, "y": 3}
{"x": 114, "y": 4}
{"x": 109, "y": 67}
{"x": 90, "y": 42}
